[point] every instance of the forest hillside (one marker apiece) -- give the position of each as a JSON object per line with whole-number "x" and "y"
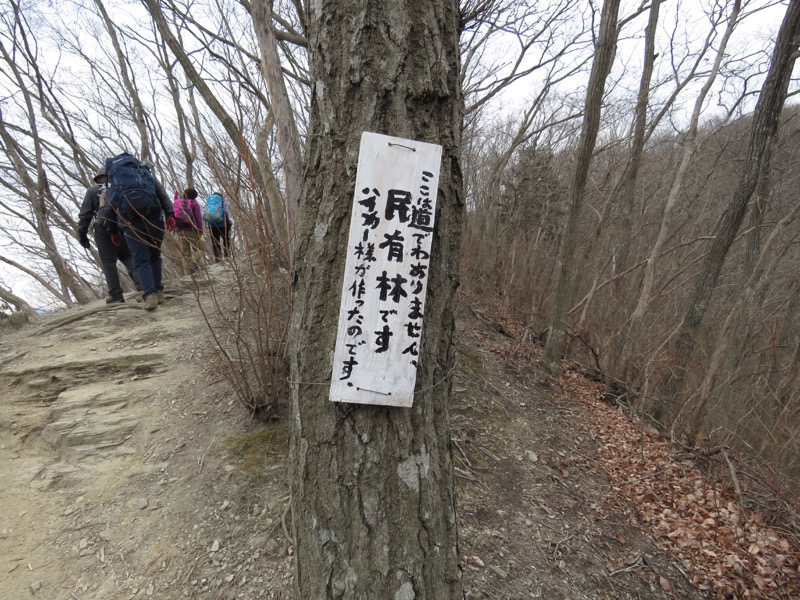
{"x": 130, "y": 470}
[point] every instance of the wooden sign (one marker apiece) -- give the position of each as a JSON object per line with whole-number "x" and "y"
{"x": 385, "y": 279}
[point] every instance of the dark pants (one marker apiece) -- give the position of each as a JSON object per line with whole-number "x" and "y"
{"x": 144, "y": 239}
{"x": 220, "y": 241}
{"x": 109, "y": 255}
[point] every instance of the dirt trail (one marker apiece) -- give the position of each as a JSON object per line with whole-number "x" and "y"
{"x": 124, "y": 469}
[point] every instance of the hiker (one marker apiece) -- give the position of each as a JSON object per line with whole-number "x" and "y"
{"x": 95, "y": 208}
{"x": 219, "y": 223}
{"x": 139, "y": 200}
{"x": 189, "y": 229}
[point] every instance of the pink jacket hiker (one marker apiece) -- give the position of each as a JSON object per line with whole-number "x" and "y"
{"x": 194, "y": 210}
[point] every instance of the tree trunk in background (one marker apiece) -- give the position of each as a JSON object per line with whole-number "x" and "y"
{"x": 18, "y": 303}
{"x": 627, "y": 187}
{"x": 40, "y": 199}
{"x": 763, "y": 129}
{"x": 633, "y": 343}
{"x": 745, "y": 299}
{"x": 372, "y": 487}
{"x": 601, "y": 66}
{"x": 737, "y": 347}
{"x": 265, "y": 183}
{"x": 286, "y": 129}
{"x": 138, "y": 112}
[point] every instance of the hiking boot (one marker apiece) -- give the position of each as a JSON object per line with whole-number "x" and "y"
{"x": 160, "y": 297}
{"x": 115, "y": 299}
{"x": 151, "y": 302}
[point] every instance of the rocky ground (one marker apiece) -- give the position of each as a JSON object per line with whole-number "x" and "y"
{"x": 131, "y": 471}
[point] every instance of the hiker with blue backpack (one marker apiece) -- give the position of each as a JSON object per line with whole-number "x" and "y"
{"x": 141, "y": 207}
{"x": 189, "y": 230}
{"x": 95, "y": 209}
{"x": 219, "y": 223}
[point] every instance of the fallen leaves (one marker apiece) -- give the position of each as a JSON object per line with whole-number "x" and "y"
{"x": 727, "y": 551}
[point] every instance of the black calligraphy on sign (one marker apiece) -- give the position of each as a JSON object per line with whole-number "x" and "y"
{"x": 371, "y": 218}
{"x": 422, "y": 211}
{"x": 385, "y": 310}
{"x": 397, "y": 205}
{"x": 422, "y": 221}
{"x": 393, "y": 243}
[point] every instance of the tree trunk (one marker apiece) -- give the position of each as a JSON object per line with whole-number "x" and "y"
{"x": 9, "y": 297}
{"x": 764, "y": 128}
{"x": 286, "y": 129}
{"x": 562, "y": 299}
{"x": 372, "y": 487}
{"x": 744, "y": 300}
{"x": 627, "y": 186}
{"x": 263, "y": 183}
{"x": 139, "y": 113}
{"x": 633, "y": 342}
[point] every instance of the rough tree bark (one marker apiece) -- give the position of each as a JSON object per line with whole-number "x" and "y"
{"x": 601, "y": 66}
{"x": 372, "y": 487}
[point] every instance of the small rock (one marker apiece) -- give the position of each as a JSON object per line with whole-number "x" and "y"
{"x": 36, "y": 586}
{"x": 38, "y": 383}
{"x": 501, "y": 573}
{"x": 533, "y": 457}
{"x": 475, "y": 561}
{"x": 272, "y": 546}
{"x": 15, "y": 320}
{"x": 225, "y": 505}
{"x": 143, "y": 503}
{"x": 258, "y": 541}
{"x": 215, "y": 546}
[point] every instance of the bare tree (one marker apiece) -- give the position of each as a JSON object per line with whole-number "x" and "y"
{"x": 128, "y": 81}
{"x": 627, "y": 181}
{"x": 689, "y": 148}
{"x": 265, "y": 183}
{"x": 27, "y": 150}
{"x": 601, "y": 66}
{"x": 286, "y": 129}
{"x": 764, "y": 128}
{"x": 11, "y": 299}
{"x": 361, "y": 531}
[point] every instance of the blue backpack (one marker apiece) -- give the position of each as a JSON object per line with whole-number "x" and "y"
{"x": 131, "y": 188}
{"x": 214, "y": 210}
